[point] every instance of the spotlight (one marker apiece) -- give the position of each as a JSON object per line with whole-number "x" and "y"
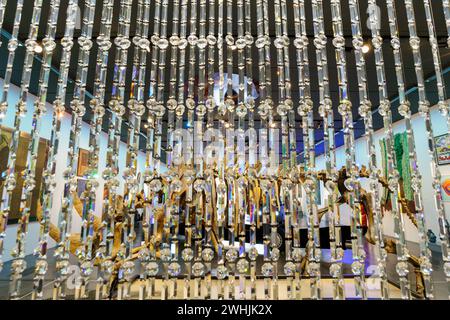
{"x": 365, "y": 48}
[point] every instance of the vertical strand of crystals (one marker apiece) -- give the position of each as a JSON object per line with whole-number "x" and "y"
{"x": 156, "y": 112}
{"x": 446, "y": 7}
{"x": 103, "y": 253}
{"x": 145, "y": 253}
{"x": 2, "y": 15}
{"x": 305, "y": 110}
{"x": 117, "y": 105}
{"x": 443, "y": 104}
{"x": 292, "y": 232}
{"x": 176, "y": 184}
{"x": 64, "y": 219}
{"x": 189, "y": 174}
{"x": 242, "y": 265}
{"x": 18, "y": 265}
{"x": 365, "y": 111}
{"x": 326, "y": 112}
{"x": 358, "y": 267}
{"x": 405, "y": 111}
{"x": 261, "y": 43}
{"x": 232, "y": 253}
{"x": 252, "y": 147}
{"x": 137, "y": 109}
{"x": 221, "y": 186}
{"x": 351, "y": 182}
{"x": 424, "y": 111}
{"x": 393, "y": 176}
{"x": 10, "y": 180}
{"x": 203, "y": 186}
{"x": 186, "y": 253}
{"x": 166, "y": 250}
{"x": 84, "y": 253}
{"x": 288, "y": 118}
{"x": 49, "y": 183}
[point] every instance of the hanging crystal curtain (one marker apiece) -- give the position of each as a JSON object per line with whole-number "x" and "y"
{"x": 230, "y": 116}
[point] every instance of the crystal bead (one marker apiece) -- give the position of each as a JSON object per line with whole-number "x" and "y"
{"x": 108, "y": 267}
{"x": 335, "y": 270}
{"x": 395, "y": 43}
{"x": 309, "y": 186}
{"x": 179, "y": 110}
{"x": 155, "y": 185}
{"x": 144, "y": 44}
{"x": 229, "y": 40}
{"x": 212, "y": 40}
{"x": 279, "y": 43}
{"x": 275, "y": 254}
{"x": 144, "y": 255}
{"x": 66, "y": 43}
{"x": 152, "y": 269}
{"x": 339, "y": 42}
{"x": 281, "y": 110}
{"x": 358, "y": 42}
{"x": 158, "y": 110}
{"x": 222, "y": 272}
{"x": 12, "y": 45}
{"x": 249, "y": 39}
{"x": 18, "y": 266}
{"x": 443, "y": 107}
{"x": 62, "y": 266}
{"x": 377, "y": 42}
{"x": 190, "y": 103}
{"x": 207, "y": 254}
{"x": 241, "y": 111}
{"x": 425, "y": 266}
{"x": 345, "y": 107}
{"x": 183, "y": 43}
{"x": 424, "y": 108}
{"x": 365, "y": 108}
{"x": 202, "y": 43}
{"x": 201, "y": 110}
{"x": 199, "y": 185}
{"x": 10, "y": 182}
{"x": 174, "y": 40}
{"x": 86, "y": 268}
{"x": 198, "y": 269}
{"x": 414, "y": 42}
{"x": 313, "y": 269}
{"x": 174, "y": 269}
{"x": 297, "y": 254}
{"x": 231, "y": 255}
{"x": 242, "y": 266}
{"x": 404, "y": 110}
{"x": 3, "y": 109}
{"x": 166, "y": 255}
{"x": 357, "y": 267}
{"x": 260, "y": 42}
{"x": 187, "y": 254}
{"x": 447, "y": 269}
{"x": 41, "y": 267}
{"x": 267, "y": 269}
{"x": 350, "y": 184}
{"x": 241, "y": 43}
{"x": 192, "y": 39}
{"x": 30, "y": 183}
{"x": 402, "y": 269}
{"x": 384, "y": 108}
{"x": 253, "y": 254}
{"x": 289, "y": 269}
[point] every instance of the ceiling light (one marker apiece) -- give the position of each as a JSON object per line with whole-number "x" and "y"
{"x": 365, "y": 48}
